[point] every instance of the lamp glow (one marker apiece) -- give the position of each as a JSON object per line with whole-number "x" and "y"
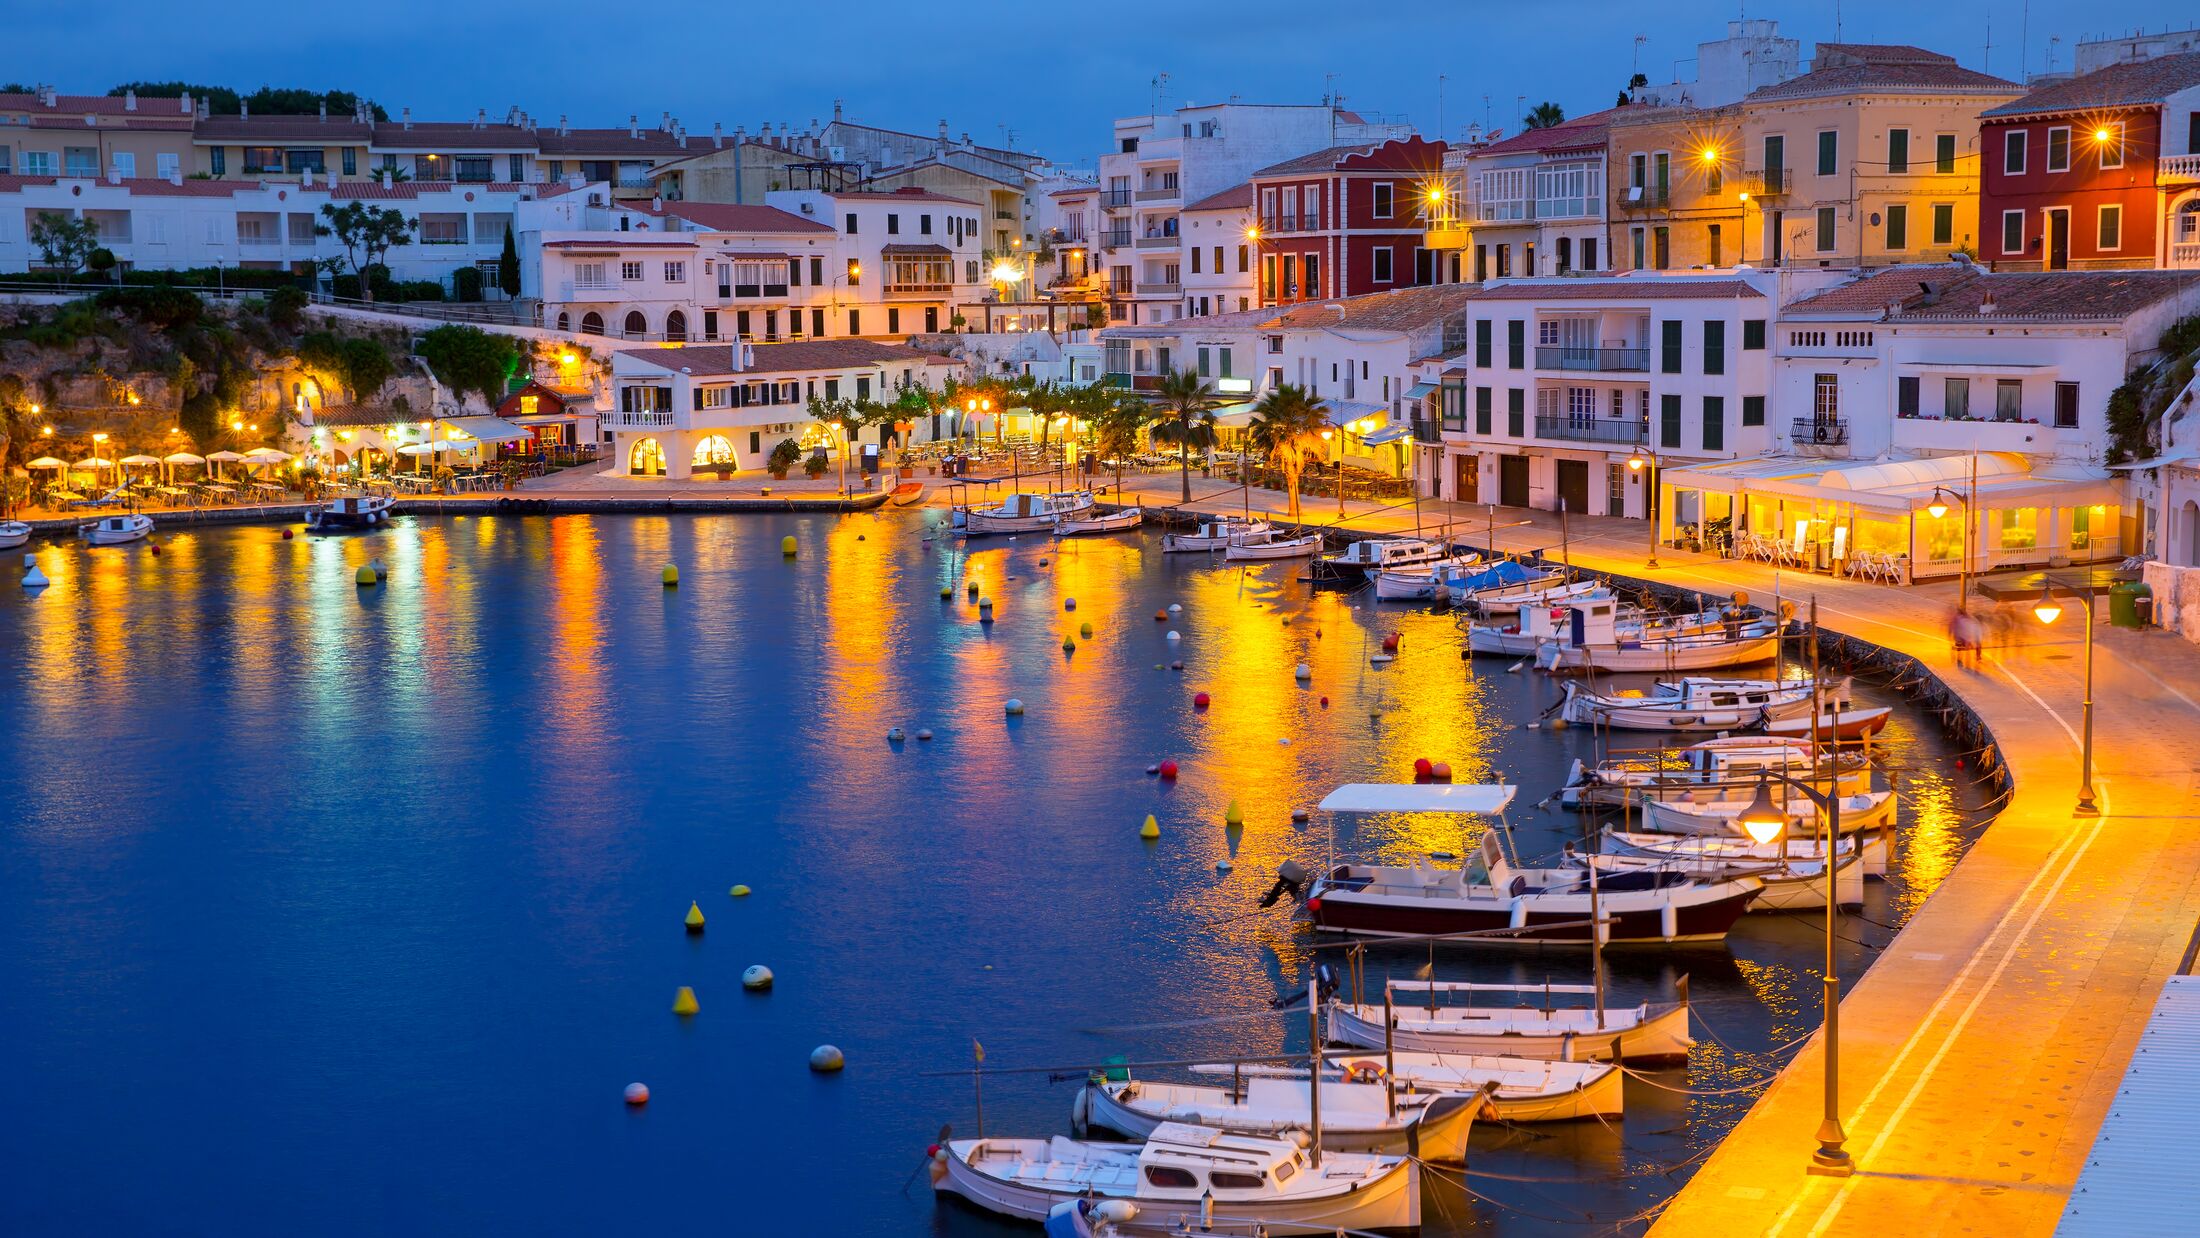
{"x": 2048, "y": 609}
{"x": 2102, "y": 134}
{"x": 1635, "y": 463}
{"x": 1762, "y": 820}
{"x": 1937, "y": 509}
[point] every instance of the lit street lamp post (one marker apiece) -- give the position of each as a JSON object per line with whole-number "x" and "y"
{"x": 1938, "y": 509}
{"x": 1649, "y": 492}
{"x": 2048, "y": 610}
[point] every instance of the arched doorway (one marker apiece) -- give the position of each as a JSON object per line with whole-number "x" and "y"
{"x": 564, "y": 319}
{"x": 647, "y": 459}
{"x": 2188, "y": 529}
{"x": 676, "y": 326}
{"x": 636, "y": 325}
{"x": 2185, "y": 231}
{"x": 713, "y": 449}
{"x": 592, "y": 323}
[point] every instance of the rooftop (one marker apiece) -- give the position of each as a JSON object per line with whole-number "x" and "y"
{"x": 2120, "y": 85}
{"x": 1415, "y": 154}
{"x": 779, "y": 358}
{"x": 908, "y": 193}
{"x": 1959, "y": 292}
{"x": 1868, "y": 68}
{"x": 1234, "y": 198}
{"x": 1636, "y": 288}
{"x": 729, "y": 217}
{"x": 1577, "y": 131}
{"x": 1405, "y": 309}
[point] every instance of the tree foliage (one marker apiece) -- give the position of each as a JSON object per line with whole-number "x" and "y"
{"x": 1286, "y": 430}
{"x": 1543, "y": 116}
{"x": 367, "y": 233}
{"x": 508, "y": 266}
{"x": 1187, "y": 419}
{"x": 469, "y": 359}
{"x": 63, "y": 242}
{"x": 266, "y": 101}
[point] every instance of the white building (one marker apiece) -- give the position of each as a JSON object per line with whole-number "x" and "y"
{"x": 1221, "y": 269}
{"x": 1561, "y": 382}
{"x": 677, "y": 410}
{"x": 1751, "y": 56}
{"x": 1531, "y": 204}
{"x": 178, "y": 224}
{"x": 1985, "y": 394}
{"x": 1160, "y": 162}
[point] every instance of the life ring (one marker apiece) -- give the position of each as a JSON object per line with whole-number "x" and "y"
{"x": 1363, "y": 1072}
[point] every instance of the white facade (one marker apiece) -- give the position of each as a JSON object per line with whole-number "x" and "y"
{"x": 1159, "y": 163}
{"x": 1221, "y": 265}
{"x": 177, "y": 224}
{"x": 1751, "y": 56}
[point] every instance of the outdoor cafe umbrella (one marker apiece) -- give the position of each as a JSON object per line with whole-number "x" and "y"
{"x": 266, "y": 455}
{"x": 47, "y": 462}
{"x": 222, "y": 457}
{"x": 441, "y": 444}
{"x": 140, "y": 462}
{"x": 181, "y": 458}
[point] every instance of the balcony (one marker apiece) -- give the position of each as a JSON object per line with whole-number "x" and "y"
{"x": 1168, "y": 193}
{"x": 1115, "y": 199}
{"x": 625, "y": 419}
{"x": 1146, "y": 289}
{"x": 1166, "y": 241}
{"x": 1116, "y": 240}
{"x": 1132, "y": 382}
{"x": 1272, "y": 224}
{"x": 1819, "y": 432}
{"x": 1767, "y": 182}
{"x": 588, "y": 290}
{"x": 2178, "y": 169}
{"x": 905, "y": 289}
{"x": 1965, "y": 434}
{"x": 1645, "y": 197}
{"x": 2185, "y": 255}
{"x": 1427, "y": 430}
{"x": 1600, "y": 360}
{"x": 1616, "y": 431}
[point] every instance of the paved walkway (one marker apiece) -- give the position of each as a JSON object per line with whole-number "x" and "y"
{"x": 1980, "y": 1053}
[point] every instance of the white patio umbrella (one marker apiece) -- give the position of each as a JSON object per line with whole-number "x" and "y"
{"x": 94, "y": 462}
{"x": 182, "y": 457}
{"x": 222, "y": 457}
{"x": 140, "y": 462}
{"x": 47, "y": 462}
{"x": 441, "y": 444}
{"x": 266, "y": 455}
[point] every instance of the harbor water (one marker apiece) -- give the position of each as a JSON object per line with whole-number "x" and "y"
{"x": 352, "y": 909}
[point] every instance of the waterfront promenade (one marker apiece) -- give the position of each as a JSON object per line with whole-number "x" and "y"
{"x": 1980, "y": 1053}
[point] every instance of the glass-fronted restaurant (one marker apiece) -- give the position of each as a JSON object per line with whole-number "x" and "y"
{"x": 1898, "y": 521}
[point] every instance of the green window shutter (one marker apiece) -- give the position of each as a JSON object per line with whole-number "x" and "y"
{"x": 1482, "y": 342}
{"x": 1482, "y": 409}
{"x": 1669, "y": 421}
{"x": 1670, "y": 355}
{"x": 1516, "y": 344}
{"x": 1516, "y": 412}
{"x": 1714, "y": 346}
{"x": 1753, "y": 410}
{"x": 1714, "y": 423}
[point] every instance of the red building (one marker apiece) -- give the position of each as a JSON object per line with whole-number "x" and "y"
{"x": 1346, "y": 221}
{"x": 2101, "y": 170}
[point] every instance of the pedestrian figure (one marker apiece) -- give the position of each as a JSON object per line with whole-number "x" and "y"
{"x": 1963, "y": 634}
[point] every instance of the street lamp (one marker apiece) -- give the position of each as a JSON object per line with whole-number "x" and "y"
{"x": 2047, "y": 609}
{"x": 1938, "y": 509}
{"x": 1764, "y": 820}
{"x": 1649, "y": 508}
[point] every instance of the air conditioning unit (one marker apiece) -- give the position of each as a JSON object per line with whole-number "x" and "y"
{"x": 1634, "y": 193}
{"x": 838, "y": 154}
{"x": 809, "y": 208}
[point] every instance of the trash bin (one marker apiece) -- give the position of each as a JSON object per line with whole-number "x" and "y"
{"x": 2130, "y": 604}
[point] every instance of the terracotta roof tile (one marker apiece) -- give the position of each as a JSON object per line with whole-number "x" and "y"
{"x": 1958, "y": 291}
{"x": 910, "y": 193}
{"x": 732, "y": 217}
{"x": 1868, "y": 68}
{"x": 100, "y": 105}
{"x": 618, "y": 141}
{"x": 244, "y": 130}
{"x": 1636, "y": 288}
{"x": 1579, "y": 131}
{"x": 2119, "y": 85}
{"x": 1233, "y": 198}
{"x": 917, "y": 250}
{"x": 1403, "y": 310}
{"x": 406, "y": 190}
{"x": 452, "y": 135}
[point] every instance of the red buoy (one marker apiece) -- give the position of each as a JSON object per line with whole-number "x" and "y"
{"x": 1440, "y": 771}
{"x": 1325, "y": 702}
{"x": 1390, "y": 643}
{"x": 1423, "y": 770}
{"x": 286, "y": 535}
{"x": 1168, "y": 770}
{"x": 1199, "y": 700}
{"x": 1161, "y": 616}
{"x": 156, "y": 550}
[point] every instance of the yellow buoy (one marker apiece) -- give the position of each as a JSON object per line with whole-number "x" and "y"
{"x": 787, "y": 545}
{"x": 695, "y": 917}
{"x": 1069, "y": 644}
{"x": 1085, "y": 631}
{"x": 1233, "y": 815}
{"x": 739, "y": 891}
{"x": 671, "y": 576}
{"x": 1152, "y": 828}
{"x": 365, "y": 575}
{"x": 683, "y": 1002}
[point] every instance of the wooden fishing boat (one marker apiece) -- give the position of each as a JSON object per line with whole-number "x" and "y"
{"x": 1647, "y": 1031}
{"x": 907, "y": 494}
{"x": 1793, "y": 884}
{"x": 1417, "y": 581}
{"x": 1356, "y": 1117}
{"x": 1753, "y": 643}
{"x": 1213, "y": 535}
{"x": 1729, "y": 760}
{"x": 1023, "y": 513}
{"x": 1510, "y": 601}
{"x": 1460, "y": 584}
{"x": 1185, "y": 1179}
{"x": 1269, "y": 546}
{"x": 1536, "y": 624}
{"x": 1112, "y": 522}
{"x": 1833, "y": 726}
{"x": 351, "y": 513}
{"x": 1489, "y": 895}
{"x": 1351, "y": 567}
{"x": 115, "y": 530}
{"x": 1692, "y": 704}
{"x": 1516, "y": 1089}
{"x": 1862, "y": 810}
{"x": 13, "y": 533}
{"x": 1870, "y": 845}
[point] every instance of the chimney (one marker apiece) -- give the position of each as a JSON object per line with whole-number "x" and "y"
{"x": 681, "y": 136}
{"x": 244, "y": 109}
{"x": 324, "y": 111}
{"x": 114, "y": 176}
{"x": 1927, "y": 294}
{"x": 944, "y": 143}
{"x": 305, "y": 178}
{"x": 717, "y": 134}
{"x": 46, "y": 95}
{"x": 664, "y": 125}
{"x": 389, "y": 178}
{"x": 1986, "y": 305}
{"x": 561, "y": 124}
{"x": 633, "y": 125}
{"x": 481, "y": 118}
{"x": 657, "y": 203}
{"x": 836, "y": 111}
{"x": 129, "y": 100}
{"x": 408, "y": 118}
{"x": 175, "y": 177}
{"x": 186, "y": 106}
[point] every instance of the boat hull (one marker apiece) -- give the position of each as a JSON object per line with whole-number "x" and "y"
{"x": 1871, "y": 843}
{"x": 1391, "y": 1202}
{"x": 1657, "y": 656}
{"x": 907, "y": 494}
{"x": 1656, "y": 1033}
{"x": 325, "y": 520}
{"x": 1785, "y": 888}
{"x": 1439, "y": 1135}
{"x": 13, "y": 535}
{"x": 98, "y": 534}
{"x": 1664, "y": 917}
{"x": 1113, "y": 522}
{"x": 1847, "y": 726}
{"x": 1296, "y": 548}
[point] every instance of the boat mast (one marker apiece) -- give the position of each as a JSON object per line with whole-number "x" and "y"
{"x": 1390, "y": 1056}
{"x": 1314, "y": 1062}
{"x": 1596, "y": 940}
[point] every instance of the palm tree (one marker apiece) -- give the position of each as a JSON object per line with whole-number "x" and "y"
{"x": 1187, "y": 419}
{"x": 1543, "y": 116}
{"x": 1287, "y": 431}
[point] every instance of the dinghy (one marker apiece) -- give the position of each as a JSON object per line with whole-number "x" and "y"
{"x": 906, "y": 494}
{"x": 1753, "y": 643}
{"x": 1701, "y": 767}
{"x": 1861, "y": 810}
{"x": 13, "y": 533}
{"x": 1844, "y": 726}
{"x": 1356, "y": 1117}
{"x": 1112, "y": 522}
{"x": 1517, "y": 1089}
{"x": 1871, "y": 845}
{"x": 115, "y": 530}
{"x": 1350, "y": 567}
{"x": 1457, "y": 584}
{"x": 1648, "y": 1031}
{"x": 1186, "y": 1179}
{"x": 1693, "y": 704}
{"x": 1213, "y": 535}
{"x": 1024, "y": 513}
{"x": 350, "y": 513}
{"x": 1509, "y": 601}
{"x": 1269, "y": 546}
{"x": 1417, "y": 581}
{"x": 1790, "y": 885}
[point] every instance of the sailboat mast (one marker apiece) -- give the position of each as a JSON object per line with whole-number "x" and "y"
{"x": 1314, "y": 1062}
{"x": 1596, "y": 940}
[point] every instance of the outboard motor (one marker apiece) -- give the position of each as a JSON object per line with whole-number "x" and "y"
{"x": 1290, "y": 879}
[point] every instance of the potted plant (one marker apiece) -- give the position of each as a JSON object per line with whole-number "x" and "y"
{"x": 815, "y": 465}
{"x": 782, "y": 458}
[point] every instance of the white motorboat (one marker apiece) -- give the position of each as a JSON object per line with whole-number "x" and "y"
{"x": 1793, "y": 884}
{"x": 1729, "y": 760}
{"x": 1540, "y": 593}
{"x": 1269, "y": 546}
{"x": 1356, "y": 1117}
{"x": 1186, "y": 1179}
{"x": 351, "y": 512}
{"x": 1537, "y": 624}
{"x": 1214, "y": 535}
{"x": 1647, "y": 1031}
{"x": 1752, "y": 643}
{"x": 1352, "y": 566}
{"x": 1461, "y": 584}
{"x": 1692, "y": 704}
{"x": 1517, "y": 1089}
{"x": 1112, "y": 522}
{"x": 1415, "y": 582}
{"x": 115, "y": 530}
{"x": 1024, "y": 513}
{"x": 1497, "y": 902}
{"x": 1683, "y": 814}
{"x": 1871, "y": 845}
{"x": 13, "y": 533}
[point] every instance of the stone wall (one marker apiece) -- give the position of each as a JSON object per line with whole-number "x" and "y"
{"x": 2176, "y": 598}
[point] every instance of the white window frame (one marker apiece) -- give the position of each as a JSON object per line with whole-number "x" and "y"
{"x": 1382, "y": 264}
{"x": 2007, "y": 249}
{"x": 2100, "y": 223}
{"x": 2116, "y": 130}
{"x": 166, "y": 165}
{"x": 1382, "y": 199}
{"x": 2048, "y": 163}
{"x": 676, "y": 272}
{"x": 630, "y": 272}
{"x": 2019, "y": 143}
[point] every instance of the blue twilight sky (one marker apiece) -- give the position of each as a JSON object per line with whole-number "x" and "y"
{"x": 1055, "y": 74}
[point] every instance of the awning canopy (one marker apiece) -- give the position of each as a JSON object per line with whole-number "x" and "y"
{"x": 1420, "y": 797}
{"x": 1388, "y": 434}
{"x": 1352, "y": 410}
{"x": 1421, "y": 390}
{"x": 2005, "y": 480}
{"x": 47, "y": 462}
{"x": 487, "y": 429}
{"x": 1235, "y": 416}
{"x": 2178, "y": 457}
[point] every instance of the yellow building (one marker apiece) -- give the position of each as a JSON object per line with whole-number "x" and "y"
{"x": 1676, "y": 193}
{"x": 1870, "y": 158}
{"x": 43, "y": 133}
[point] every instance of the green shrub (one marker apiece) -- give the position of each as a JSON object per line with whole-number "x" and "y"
{"x": 783, "y": 458}
{"x": 466, "y": 284}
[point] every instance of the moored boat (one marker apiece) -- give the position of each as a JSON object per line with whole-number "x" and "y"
{"x": 1871, "y": 845}
{"x": 1186, "y": 1179}
{"x": 1351, "y": 567}
{"x": 1213, "y": 535}
{"x": 1694, "y": 703}
{"x": 1701, "y": 767}
{"x": 907, "y": 494}
{"x": 351, "y": 512}
{"x": 1518, "y": 1089}
{"x": 1861, "y": 810}
{"x": 1024, "y": 513}
{"x": 1356, "y": 1117}
{"x": 1753, "y": 643}
{"x": 1095, "y": 522}
{"x": 1269, "y": 546}
{"x": 1417, "y": 581}
{"x": 1794, "y": 884}
{"x": 13, "y": 533}
{"x": 115, "y": 530}
{"x": 1646, "y": 1031}
{"x": 1547, "y": 592}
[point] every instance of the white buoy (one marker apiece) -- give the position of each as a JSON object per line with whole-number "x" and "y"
{"x": 32, "y": 577}
{"x": 757, "y": 977}
{"x": 1304, "y": 671}
{"x": 1175, "y": 636}
{"x": 1014, "y": 706}
{"x": 826, "y": 1059}
{"x": 924, "y": 734}
{"x": 894, "y": 736}
{"x": 1176, "y": 608}
{"x": 637, "y": 1093}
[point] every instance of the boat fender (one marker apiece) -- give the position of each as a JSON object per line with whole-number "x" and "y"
{"x": 1669, "y": 920}
{"x": 1080, "y": 1113}
{"x": 1116, "y": 1210}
